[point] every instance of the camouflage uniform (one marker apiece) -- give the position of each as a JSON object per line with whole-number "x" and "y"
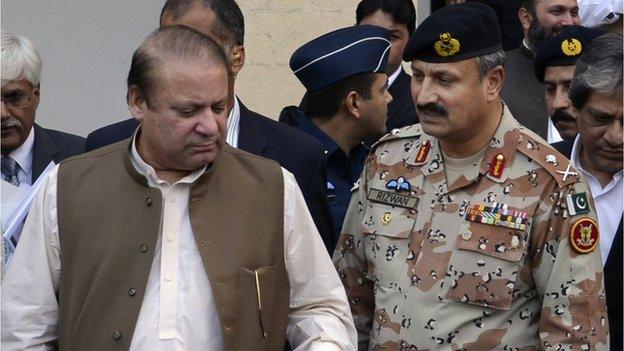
{"x": 421, "y": 274}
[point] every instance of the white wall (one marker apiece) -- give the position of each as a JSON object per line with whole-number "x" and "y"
{"x": 87, "y": 46}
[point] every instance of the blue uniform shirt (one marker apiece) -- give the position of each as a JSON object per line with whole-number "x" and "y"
{"x": 342, "y": 170}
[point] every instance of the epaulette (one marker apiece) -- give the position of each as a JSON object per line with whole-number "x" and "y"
{"x": 549, "y": 158}
{"x": 410, "y": 131}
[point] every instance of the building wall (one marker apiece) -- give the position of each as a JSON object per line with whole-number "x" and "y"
{"x": 87, "y": 48}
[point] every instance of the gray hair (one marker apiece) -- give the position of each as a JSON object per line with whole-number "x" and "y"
{"x": 598, "y": 70}
{"x": 488, "y": 62}
{"x": 20, "y": 59}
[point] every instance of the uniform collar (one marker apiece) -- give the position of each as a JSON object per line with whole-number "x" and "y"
{"x": 502, "y": 143}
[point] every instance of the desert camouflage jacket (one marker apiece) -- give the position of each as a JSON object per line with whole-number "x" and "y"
{"x": 501, "y": 259}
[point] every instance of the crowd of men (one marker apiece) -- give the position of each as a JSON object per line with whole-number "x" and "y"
{"x": 435, "y": 211}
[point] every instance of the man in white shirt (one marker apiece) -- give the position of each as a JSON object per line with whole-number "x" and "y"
{"x": 146, "y": 244}
{"x": 596, "y": 91}
{"x": 27, "y": 148}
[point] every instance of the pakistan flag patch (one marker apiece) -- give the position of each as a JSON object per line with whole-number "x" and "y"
{"x": 577, "y": 204}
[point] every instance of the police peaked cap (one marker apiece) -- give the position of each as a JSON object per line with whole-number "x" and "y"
{"x": 564, "y": 48}
{"x": 341, "y": 54}
{"x": 455, "y": 33}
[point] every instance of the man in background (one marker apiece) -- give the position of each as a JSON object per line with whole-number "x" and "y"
{"x": 522, "y": 92}
{"x": 223, "y": 21}
{"x": 27, "y": 148}
{"x": 347, "y": 102}
{"x": 399, "y": 17}
{"x": 596, "y": 92}
{"x": 554, "y": 67}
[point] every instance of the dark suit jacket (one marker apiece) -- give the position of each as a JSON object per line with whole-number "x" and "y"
{"x": 294, "y": 150}
{"x": 52, "y": 145}
{"x": 401, "y": 111}
{"x": 523, "y": 93}
{"x": 612, "y": 271}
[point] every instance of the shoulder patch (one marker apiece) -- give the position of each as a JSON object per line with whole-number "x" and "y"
{"x": 549, "y": 158}
{"x": 584, "y": 235}
{"x": 410, "y": 131}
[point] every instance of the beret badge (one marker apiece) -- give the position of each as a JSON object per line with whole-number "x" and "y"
{"x": 571, "y": 47}
{"x": 447, "y": 45}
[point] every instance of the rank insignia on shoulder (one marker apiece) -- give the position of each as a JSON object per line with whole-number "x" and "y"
{"x": 568, "y": 172}
{"x": 399, "y": 184}
{"x": 584, "y": 235}
{"x": 423, "y": 151}
{"x": 577, "y": 204}
{"x": 498, "y": 214}
{"x": 356, "y": 185}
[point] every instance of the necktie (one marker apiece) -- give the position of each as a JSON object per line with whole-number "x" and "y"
{"x": 9, "y": 170}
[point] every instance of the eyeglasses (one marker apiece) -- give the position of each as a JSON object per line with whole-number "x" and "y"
{"x": 17, "y": 100}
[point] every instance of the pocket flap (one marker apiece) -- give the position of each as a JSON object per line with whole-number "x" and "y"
{"x": 496, "y": 241}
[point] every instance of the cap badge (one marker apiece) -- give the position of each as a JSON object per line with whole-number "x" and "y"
{"x": 447, "y": 45}
{"x": 571, "y": 47}
{"x": 584, "y": 235}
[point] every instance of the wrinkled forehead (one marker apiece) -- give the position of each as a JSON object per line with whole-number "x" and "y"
{"x": 460, "y": 68}
{"x": 14, "y": 85}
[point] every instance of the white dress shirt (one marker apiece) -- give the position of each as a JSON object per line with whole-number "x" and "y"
{"x": 608, "y": 200}
{"x": 23, "y": 155}
{"x": 233, "y": 124}
{"x": 553, "y": 135}
{"x": 394, "y": 76}
{"x": 178, "y": 310}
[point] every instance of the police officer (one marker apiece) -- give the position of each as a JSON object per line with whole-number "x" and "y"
{"x": 468, "y": 231}
{"x": 554, "y": 67}
{"x": 344, "y": 73}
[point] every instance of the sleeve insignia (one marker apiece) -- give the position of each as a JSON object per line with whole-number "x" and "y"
{"x": 584, "y": 235}
{"x": 577, "y": 204}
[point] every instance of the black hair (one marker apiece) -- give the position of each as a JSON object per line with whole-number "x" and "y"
{"x": 529, "y": 5}
{"x": 326, "y": 102}
{"x": 228, "y": 13}
{"x": 402, "y": 11}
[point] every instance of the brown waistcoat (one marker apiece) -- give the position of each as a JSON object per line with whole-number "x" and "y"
{"x": 109, "y": 221}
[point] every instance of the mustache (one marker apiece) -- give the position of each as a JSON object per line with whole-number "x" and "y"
{"x": 561, "y": 115}
{"x": 11, "y": 122}
{"x": 433, "y": 109}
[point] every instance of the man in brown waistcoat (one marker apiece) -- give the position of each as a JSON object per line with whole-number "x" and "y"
{"x": 173, "y": 240}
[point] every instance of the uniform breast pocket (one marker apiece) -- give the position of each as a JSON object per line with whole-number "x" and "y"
{"x": 484, "y": 265}
{"x": 387, "y": 232}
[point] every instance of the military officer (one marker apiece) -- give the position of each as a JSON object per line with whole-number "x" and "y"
{"x": 468, "y": 231}
{"x": 347, "y": 102}
{"x": 554, "y": 67}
